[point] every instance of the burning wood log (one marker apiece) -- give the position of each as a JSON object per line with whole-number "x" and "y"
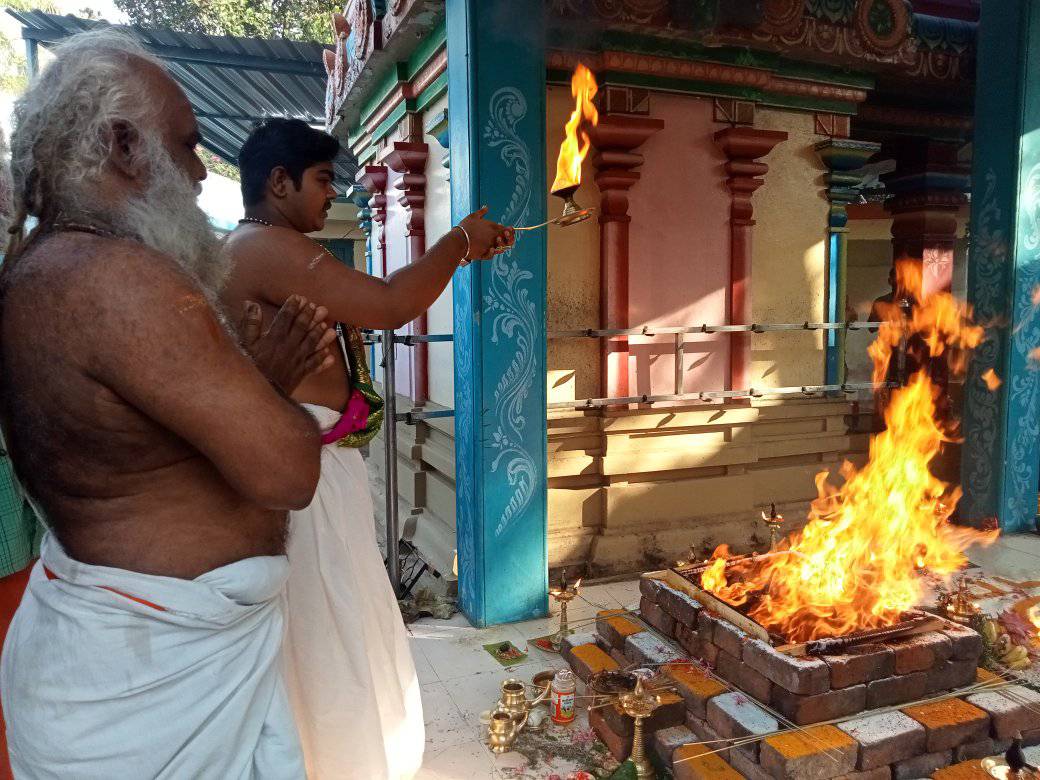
{"x": 837, "y": 645}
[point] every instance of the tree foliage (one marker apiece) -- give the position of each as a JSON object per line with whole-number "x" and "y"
{"x": 298, "y": 20}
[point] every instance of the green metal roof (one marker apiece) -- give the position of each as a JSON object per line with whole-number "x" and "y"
{"x": 231, "y": 82}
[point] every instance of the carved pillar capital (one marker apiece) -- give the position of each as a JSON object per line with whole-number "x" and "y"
{"x": 743, "y": 146}
{"x": 409, "y": 159}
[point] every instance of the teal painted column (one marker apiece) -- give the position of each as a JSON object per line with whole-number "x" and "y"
{"x": 496, "y": 98}
{"x": 843, "y": 159}
{"x": 1001, "y": 455}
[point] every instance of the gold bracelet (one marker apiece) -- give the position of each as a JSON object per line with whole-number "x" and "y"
{"x": 465, "y": 255}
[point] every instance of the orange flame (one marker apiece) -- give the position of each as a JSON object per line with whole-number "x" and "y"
{"x": 856, "y": 564}
{"x": 573, "y": 151}
{"x": 993, "y": 382}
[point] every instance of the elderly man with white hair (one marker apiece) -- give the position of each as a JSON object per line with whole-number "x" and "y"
{"x": 162, "y": 460}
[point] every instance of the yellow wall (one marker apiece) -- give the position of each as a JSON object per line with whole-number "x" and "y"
{"x": 572, "y": 276}
{"x": 789, "y": 256}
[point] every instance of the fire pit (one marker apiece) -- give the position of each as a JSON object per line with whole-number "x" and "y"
{"x": 819, "y": 680}
{"x": 898, "y": 705}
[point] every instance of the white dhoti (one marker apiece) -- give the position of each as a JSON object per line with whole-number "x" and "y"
{"x": 109, "y": 673}
{"x": 348, "y": 668}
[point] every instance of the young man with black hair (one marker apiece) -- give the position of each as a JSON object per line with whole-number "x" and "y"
{"x": 351, "y": 679}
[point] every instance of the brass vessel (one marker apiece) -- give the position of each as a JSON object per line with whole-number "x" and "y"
{"x": 502, "y": 731}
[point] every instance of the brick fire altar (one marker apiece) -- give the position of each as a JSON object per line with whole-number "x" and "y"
{"x": 899, "y": 707}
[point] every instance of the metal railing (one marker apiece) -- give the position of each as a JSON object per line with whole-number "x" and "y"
{"x": 415, "y": 415}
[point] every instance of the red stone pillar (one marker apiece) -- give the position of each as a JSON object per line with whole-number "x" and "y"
{"x": 927, "y": 191}
{"x": 372, "y": 178}
{"x": 743, "y": 146}
{"x": 409, "y": 159}
{"x": 615, "y": 139}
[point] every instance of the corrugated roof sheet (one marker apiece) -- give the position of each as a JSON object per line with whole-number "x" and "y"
{"x": 231, "y": 82}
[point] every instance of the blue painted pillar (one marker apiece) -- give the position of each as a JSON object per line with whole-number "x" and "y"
{"x": 843, "y": 159}
{"x": 1001, "y": 455}
{"x": 496, "y": 98}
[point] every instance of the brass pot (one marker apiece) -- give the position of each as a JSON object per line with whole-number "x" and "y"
{"x": 502, "y": 731}
{"x": 514, "y": 698}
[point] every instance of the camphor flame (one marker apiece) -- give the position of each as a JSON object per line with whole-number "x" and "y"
{"x": 856, "y": 564}
{"x": 576, "y": 143}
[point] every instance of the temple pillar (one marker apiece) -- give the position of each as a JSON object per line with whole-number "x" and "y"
{"x": 1000, "y": 459}
{"x": 409, "y": 159}
{"x": 496, "y": 90}
{"x": 360, "y": 197}
{"x": 927, "y": 191}
{"x": 615, "y": 140}
{"x": 843, "y": 158}
{"x": 372, "y": 178}
{"x": 743, "y": 147}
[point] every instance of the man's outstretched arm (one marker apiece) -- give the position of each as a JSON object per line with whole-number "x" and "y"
{"x": 295, "y": 264}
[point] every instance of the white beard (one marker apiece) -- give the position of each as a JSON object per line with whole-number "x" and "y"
{"x": 166, "y": 217}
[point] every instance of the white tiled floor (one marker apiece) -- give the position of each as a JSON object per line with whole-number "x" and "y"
{"x": 460, "y": 679}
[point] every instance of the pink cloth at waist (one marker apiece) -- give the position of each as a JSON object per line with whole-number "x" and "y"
{"x": 353, "y": 419}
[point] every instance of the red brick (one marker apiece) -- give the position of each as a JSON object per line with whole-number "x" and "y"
{"x": 650, "y": 588}
{"x": 860, "y": 665}
{"x": 806, "y": 676}
{"x": 619, "y": 746}
{"x": 735, "y": 715}
{"x": 819, "y": 753}
{"x": 615, "y": 627}
{"x": 695, "y": 762}
{"x": 750, "y": 769}
{"x": 921, "y": 766}
{"x": 706, "y": 733}
{"x": 709, "y": 654}
{"x": 688, "y": 640}
{"x": 670, "y": 712}
{"x": 648, "y": 649}
{"x": 1009, "y": 716}
{"x": 881, "y": 773}
{"x": 965, "y": 770}
{"x": 618, "y": 722}
{"x": 729, "y": 638}
{"x": 952, "y": 675}
{"x": 680, "y": 606}
{"x": 984, "y": 748}
{"x": 656, "y": 617}
{"x": 744, "y": 677}
{"x": 694, "y": 685}
{"x": 967, "y": 644}
{"x": 576, "y": 640}
{"x": 950, "y": 723}
{"x": 885, "y": 738}
{"x": 589, "y": 659}
{"x": 806, "y": 710}
{"x": 921, "y": 653}
{"x": 706, "y": 623}
{"x": 896, "y": 690}
{"x": 666, "y": 741}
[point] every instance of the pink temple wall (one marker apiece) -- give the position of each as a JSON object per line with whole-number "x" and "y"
{"x": 679, "y": 248}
